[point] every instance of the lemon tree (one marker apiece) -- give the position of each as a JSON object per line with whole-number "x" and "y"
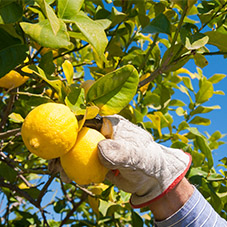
{"x": 63, "y": 64}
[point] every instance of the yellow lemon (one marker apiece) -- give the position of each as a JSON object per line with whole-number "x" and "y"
{"x": 12, "y": 79}
{"x": 49, "y": 93}
{"x": 50, "y": 130}
{"x": 86, "y": 85}
{"x": 81, "y": 163}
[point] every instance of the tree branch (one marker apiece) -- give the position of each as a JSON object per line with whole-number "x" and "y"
{"x": 44, "y": 189}
{"x": 179, "y": 26}
{"x": 12, "y": 132}
{"x": 10, "y": 163}
{"x": 19, "y": 192}
{"x": 165, "y": 64}
{"x": 69, "y": 52}
{"x": 215, "y": 53}
{"x": 82, "y": 199}
{"x": 215, "y": 14}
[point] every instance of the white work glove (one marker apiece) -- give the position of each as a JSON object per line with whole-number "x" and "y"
{"x": 147, "y": 169}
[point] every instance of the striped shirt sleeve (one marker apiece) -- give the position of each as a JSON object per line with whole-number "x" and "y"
{"x": 196, "y": 212}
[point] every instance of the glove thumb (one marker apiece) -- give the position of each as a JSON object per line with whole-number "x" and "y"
{"x": 112, "y": 154}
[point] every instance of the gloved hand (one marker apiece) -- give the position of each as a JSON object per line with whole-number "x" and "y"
{"x": 147, "y": 169}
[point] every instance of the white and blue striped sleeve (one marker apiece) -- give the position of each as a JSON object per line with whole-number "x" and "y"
{"x": 196, "y": 212}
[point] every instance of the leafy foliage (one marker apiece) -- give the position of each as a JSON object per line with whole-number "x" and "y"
{"x": 136, "y": 52}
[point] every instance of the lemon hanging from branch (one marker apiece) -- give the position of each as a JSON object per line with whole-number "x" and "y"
{"x": 50, "y": 130}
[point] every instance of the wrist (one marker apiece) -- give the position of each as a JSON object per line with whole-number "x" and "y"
{"x": 172, "y": 201}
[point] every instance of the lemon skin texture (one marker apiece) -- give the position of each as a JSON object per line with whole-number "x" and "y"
{"x": 12, "y": 80}
{"x": 50, "y": 130}
{"x": 81, "y": 163}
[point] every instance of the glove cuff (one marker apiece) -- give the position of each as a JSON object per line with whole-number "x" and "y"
{"x": 168, "y": 189}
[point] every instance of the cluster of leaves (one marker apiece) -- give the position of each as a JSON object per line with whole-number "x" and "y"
{"x": 134, "y": 50}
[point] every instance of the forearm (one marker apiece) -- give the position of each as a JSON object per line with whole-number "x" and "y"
{"x": 185, "y": 206}
{"x": 172, "y": 201}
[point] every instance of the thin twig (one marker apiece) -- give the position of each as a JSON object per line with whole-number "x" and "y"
{"x": 66, "y": 194}
{"x": 69, "y": 52}
{"x": 32, "y": 95}
{"x": 205, "y": 24}
{"x": 44, "y": 189}
{"x": 179, "y": 26}
{"x": 152, "y": 76}
{"x": 167, "y": 61}
{"x": 10, "y": 163}
{"x": 12, "y": 132}
{"x": 215, "y": 53}
{"x": 83, "y": 189}
{"x": 82, "y": 199}
{"x": 19, "y": 192}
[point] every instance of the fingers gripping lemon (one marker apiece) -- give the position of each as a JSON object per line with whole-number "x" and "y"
{"x": 50, "y": 130}
{"x": 81, "y": 163}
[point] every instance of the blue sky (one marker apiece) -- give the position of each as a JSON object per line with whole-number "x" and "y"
{"x": 217, "y": 64}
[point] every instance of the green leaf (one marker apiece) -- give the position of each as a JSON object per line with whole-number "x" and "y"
{"x": 12, "y": 56}
{"x": 42, "y": 33}
{"x": 184, "y": 90}
{"x": 46, "y": 63}
{"x": 75, "y": 100}
{"x": 174, "y": 59}
{"x": 54, "y": 82}
{"x": 115, "y": 90}
{"x": 200, "y": 121}
{"x": 152, "y": 100}
{"x": 60, "y": 206}
{"x": 160, "y": 24}
{"x": 205, "y": 92}
{"x": 68, "y": 9}
{"x": 188, "y": 83}
{"x": 10, "y": 13}
{"x": 12, "y": 51}
{"x": 200, "y": 60}
{"x": 116, "y": 16}
{"x": 182, "y": 126}
{"x": 216, "y": 78}
{"x": 215, "y": 136}
{"x": 15, "y": 117}
{"x": 176, "y": 102}
{"x": 196, "y": 41}
{"x": 68, "y": 71}
{"x": 49, "y": 13}
{"x": 136, "y": 219}
{"x": 217, "y": 39}
{"x": 104, "y": 206}
{"x": 92, "y": 31}
{"x": 203, "y": 146}
{"x": 105, "y": 23}
{"x": 7, "y": 172}
{"x": 218, "y": 92}
{"x": 197, "y": 171}
{"x": 33, "y": 192}
{"x": 11, "y": 30}
{"x": 204, "y": 109}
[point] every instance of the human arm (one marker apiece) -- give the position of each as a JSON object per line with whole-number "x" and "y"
{"x": 154, "y": 174}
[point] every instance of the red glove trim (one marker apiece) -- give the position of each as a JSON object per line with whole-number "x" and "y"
{"x": 175, "y": 182}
